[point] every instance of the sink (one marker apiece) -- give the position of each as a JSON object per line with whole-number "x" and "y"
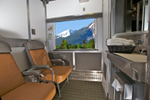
{"x": 132, "y": 64}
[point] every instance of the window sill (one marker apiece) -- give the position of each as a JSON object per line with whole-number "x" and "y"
{"x": 78, "y": 51}
{"x": 75, "y": 50}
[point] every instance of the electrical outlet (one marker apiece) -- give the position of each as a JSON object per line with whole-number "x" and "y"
{"x": 33, "y": 32}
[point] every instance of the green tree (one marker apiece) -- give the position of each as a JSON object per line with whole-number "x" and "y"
{"x": 72, "y": 46}
{"x": 57, "y": 47}
{"x": 65, "y": 44}
{"x": 83, "y": 41}
{"x": 84, "y": 45}
{"x": 69, "y": 46}
{"x": 78, "y": 46}
{"x": 62, "y": 44}
{"x": 91, "y": 44}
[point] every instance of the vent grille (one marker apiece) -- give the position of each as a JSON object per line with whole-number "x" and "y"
{"x": 86, "y": 76}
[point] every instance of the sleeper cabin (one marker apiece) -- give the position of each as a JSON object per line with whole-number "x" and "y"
{"x": 74, "y": 50}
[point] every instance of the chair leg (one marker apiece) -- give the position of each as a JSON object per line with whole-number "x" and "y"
{"x": 67, "y": 80}
{"x": 58, "y": 89}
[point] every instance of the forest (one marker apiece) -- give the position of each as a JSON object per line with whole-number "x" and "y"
{"x": 64, "y": 45}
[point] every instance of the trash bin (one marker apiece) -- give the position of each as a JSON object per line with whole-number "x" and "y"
{"x": 123, "y": 87}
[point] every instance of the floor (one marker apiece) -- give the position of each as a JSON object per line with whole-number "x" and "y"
{"x": 81, "y": 90}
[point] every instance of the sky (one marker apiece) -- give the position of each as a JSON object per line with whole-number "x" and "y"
{"x": 73, "y": 25}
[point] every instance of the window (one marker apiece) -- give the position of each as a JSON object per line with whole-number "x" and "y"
{"x": 77, "y": 34}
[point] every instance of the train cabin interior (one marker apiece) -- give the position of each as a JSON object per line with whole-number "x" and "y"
{"x": 74, "y": 50}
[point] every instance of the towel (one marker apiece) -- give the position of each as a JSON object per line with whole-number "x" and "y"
{"x": 119, "y": 41}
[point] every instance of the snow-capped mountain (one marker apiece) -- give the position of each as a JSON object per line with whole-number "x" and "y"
{"x": 87, "y": 33}
{"x": 92, "y": 27}
{"x": 65, "y": 33}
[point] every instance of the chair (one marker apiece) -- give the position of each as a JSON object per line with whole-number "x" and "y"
{"x": 38, "y": 56}
{"x": 12, "y": 84}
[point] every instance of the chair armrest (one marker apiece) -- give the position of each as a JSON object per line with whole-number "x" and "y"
{"x": 33, "y": 72}
{"x": 40, "y": 66}
{"x": 58, "y": 60}
{"x": 44, "y": 67}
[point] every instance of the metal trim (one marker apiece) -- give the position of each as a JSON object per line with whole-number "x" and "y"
{"x": 74, "y": 17}
{"x": 138, "y": 15}
{"x": 28, "y": 19}
{"x": 112, "y": 15}
{"x": 46, "y": 43}
{"x": 86, "y": 76}
{"x": 143, "y": 15}
{"x": 91, "y": 71}
{"x": 69, "y": 51}
{"x": 58, "y": 86}
{"x": 135, "y": 73}
{"x": 74, "y": 62}
{"x": 130, "y": 33}
{"x": 53, "y": 39}
{"x": 85, "y": 80}
{"x": 147, "y": 82}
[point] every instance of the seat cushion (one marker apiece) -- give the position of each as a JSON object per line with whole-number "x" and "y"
{"x": 10, "y": 75}
{"x": 61, "y": 73}
{"x": 40, "y": 57}
{"x": 32, "y": 91}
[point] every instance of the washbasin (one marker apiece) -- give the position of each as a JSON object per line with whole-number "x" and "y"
{"x": 131, "y": 64}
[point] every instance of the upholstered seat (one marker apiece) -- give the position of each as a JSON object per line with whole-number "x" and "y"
{"x": 12, "y": 83}
{"x": 31, "y": 91}
{"x": 38, "y": 56}
{"x": 61, "y": 73}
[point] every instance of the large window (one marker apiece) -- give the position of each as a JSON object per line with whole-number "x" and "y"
{"x": 77, "y": 34}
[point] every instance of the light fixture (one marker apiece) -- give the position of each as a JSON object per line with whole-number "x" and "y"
{"x": 82, "y": 1}
{"x": 47, "y": 1}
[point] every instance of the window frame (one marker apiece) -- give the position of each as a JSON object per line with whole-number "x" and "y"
{"x": 96, "y": 42}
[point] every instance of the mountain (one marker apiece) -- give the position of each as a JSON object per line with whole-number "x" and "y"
{"x": 65, "y": 33}
{"x": 87, "y": 33}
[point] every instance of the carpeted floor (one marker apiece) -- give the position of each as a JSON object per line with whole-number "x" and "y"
{"x": 81, "y": 90}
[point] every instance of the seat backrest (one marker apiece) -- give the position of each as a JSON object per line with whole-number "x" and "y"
{"x": 36, "y": 53}
{"x": 10, "y": 75}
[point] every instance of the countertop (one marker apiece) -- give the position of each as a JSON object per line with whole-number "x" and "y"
{"x": 134, "y": 57}
{"x": 133, "y": 65}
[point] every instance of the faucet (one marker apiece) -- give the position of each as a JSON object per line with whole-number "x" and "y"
{"x": 143, "y": 51}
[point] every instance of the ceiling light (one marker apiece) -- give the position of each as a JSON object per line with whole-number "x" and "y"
{"x": 82, "y": 1}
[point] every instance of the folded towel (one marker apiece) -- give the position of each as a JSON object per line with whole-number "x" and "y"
{"x": 119, "y": 41}
{"x": 114, "y": 44}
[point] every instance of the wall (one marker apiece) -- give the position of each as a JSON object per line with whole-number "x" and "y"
{"x": 61, "y": 8}
{"x": 37, "y": 19}
{"x": 88, "y": 61}
{"x": 106, "y": 35}
{"x": 13, "y": 19}
{"x": 14, "y": 26}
